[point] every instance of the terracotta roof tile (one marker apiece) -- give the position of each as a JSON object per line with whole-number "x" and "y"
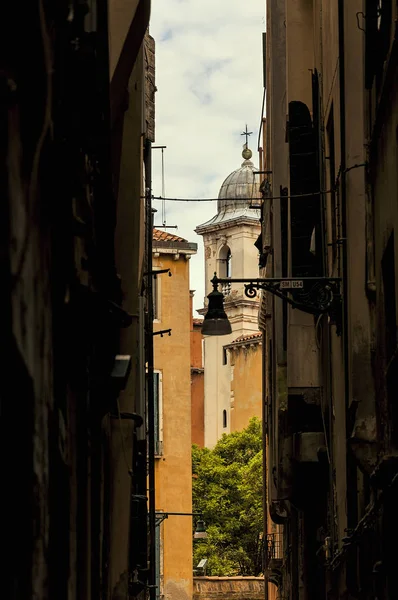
{"x": 164, "y": 236}
{"x": 250, "y": 336}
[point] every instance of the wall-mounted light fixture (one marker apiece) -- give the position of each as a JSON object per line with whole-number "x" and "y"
{"x": 216, "y": 321}
{"x": 200, "y": 531}
{"x": 314, "y": 295}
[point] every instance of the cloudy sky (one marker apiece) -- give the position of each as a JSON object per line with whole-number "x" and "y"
{"x": 209, "y": 80}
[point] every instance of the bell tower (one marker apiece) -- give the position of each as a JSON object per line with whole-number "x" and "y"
{"x": 229, "y": 251}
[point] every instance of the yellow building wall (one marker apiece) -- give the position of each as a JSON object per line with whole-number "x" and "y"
{"x": 173, "y": 471}
{"x": 121, "y": 13}
{"x": 246, "y": 389}
{"x": 246, "y": 402}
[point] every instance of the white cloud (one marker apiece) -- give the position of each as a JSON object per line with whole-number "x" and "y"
{"x": 209, "y": 80}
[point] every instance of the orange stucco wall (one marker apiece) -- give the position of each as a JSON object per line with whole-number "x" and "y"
{"x": 197, "y": 408}
{"x": 173, "y": 467}
{"x": 246, "y": 402}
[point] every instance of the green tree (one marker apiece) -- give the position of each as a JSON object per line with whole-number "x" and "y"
{"x": 227, "y": 490}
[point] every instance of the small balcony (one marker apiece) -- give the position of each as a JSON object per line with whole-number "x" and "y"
{"x": 274, "y": 558}
{"x": 226, "y": 289}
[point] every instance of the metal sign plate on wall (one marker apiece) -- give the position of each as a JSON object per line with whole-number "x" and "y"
{"x": 291, "y": 285}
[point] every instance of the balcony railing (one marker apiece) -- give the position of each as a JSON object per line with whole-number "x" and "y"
{"x": 274, "y": 547}
{"x": 226, "y": 289}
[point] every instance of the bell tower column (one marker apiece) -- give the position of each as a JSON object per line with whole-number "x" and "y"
{"x": 229, "y": 251}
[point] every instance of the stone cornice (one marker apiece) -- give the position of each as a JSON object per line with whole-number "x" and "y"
{"x": 228, "y": 304}
{"x": 202, "y": 229}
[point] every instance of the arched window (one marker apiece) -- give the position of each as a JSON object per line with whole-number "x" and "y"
{"x": 225, "y": 263}
{"x": 224, "y": 419}
{"x": 228, "y": 263}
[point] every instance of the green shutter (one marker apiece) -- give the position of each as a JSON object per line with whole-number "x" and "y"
{"x": 156, "y": 410}
{"x": 155, "y": 296}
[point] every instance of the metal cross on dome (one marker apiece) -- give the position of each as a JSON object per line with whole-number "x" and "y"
{"x": 247, "y": 133}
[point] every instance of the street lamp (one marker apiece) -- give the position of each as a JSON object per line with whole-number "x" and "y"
{"x": 314, "y": 295}
{"x": 216, "y": 321}
{"x": 200, "y": 531}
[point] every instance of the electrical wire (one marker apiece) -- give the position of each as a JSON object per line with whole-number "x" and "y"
{"x": 288, "y": 196}
{"x": 318, "y": 343}
{"x": 163, "y": 192}
{"x": 243, "y": 200}
{"x": 318, "y": 339}
{"x": 261, "y": 120}
{"x": 331, "y": 89}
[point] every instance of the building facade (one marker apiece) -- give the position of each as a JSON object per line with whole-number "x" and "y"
{"x": 79, "y": 111}
{"x": 245, "y": 359}
{"x": 229, "y": 239}
{"x": 330, "y": 213}
{"x": 172, "y": 373}
{"x": 197, "y": 381}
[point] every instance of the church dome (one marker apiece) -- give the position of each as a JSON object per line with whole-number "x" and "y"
{"x": 238, "y": 195}
{"x": 241, "y": 187}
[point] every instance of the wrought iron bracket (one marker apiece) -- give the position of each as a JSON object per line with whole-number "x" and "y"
{"x": 161, "y": 516}
{"x": 155, "y": 273}
{"x": 162, "y": 332}
{"x": 314, "y": 295}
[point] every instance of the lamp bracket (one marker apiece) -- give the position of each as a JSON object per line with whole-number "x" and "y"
{"x": 162, "y": 332}
{"x": 314, "y": 295}
{"x": 161, "y": 516}
{"x": 157, "y": 272}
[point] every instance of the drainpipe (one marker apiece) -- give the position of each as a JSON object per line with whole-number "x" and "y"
{"x": 149, "y": 360}
{"x": 343, "y": 168}
{"x": 350, "y": 464}
{"x": 265, "y": 473}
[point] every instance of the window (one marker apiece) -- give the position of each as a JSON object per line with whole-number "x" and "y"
{"x": 228, "y": 263}
{"x": 156, "y": 297}
{"x": 225, "y": 268}
{"x": 225, "y": 262}
{"x": 378, "y": 24}
{"x": 304, "y": 214}
{"x": 224, "y": 419}
{"x": 224, "y": 356}
{"x": 158, "y": 402}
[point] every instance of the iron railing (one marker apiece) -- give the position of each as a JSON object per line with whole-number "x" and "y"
{"x": 274, "y": 550}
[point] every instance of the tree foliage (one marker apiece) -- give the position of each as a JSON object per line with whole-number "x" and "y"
{"x": 227, "y": 490}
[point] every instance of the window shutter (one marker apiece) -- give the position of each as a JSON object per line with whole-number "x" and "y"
{"x": 156, "y": 410}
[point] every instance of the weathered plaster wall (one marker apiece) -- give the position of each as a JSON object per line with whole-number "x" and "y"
{"x": 120, "y": 16}
{"x": 225, "y": 588}
{"x": 198, "y": 407}
{"x": 173, "y": 467}
{"x": 242, "y": 313}
{"x": 246, "y": 386}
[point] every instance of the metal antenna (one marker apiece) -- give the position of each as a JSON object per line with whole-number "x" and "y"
{"x": 163, "y": 192}
{"x": 163, "y": 196}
